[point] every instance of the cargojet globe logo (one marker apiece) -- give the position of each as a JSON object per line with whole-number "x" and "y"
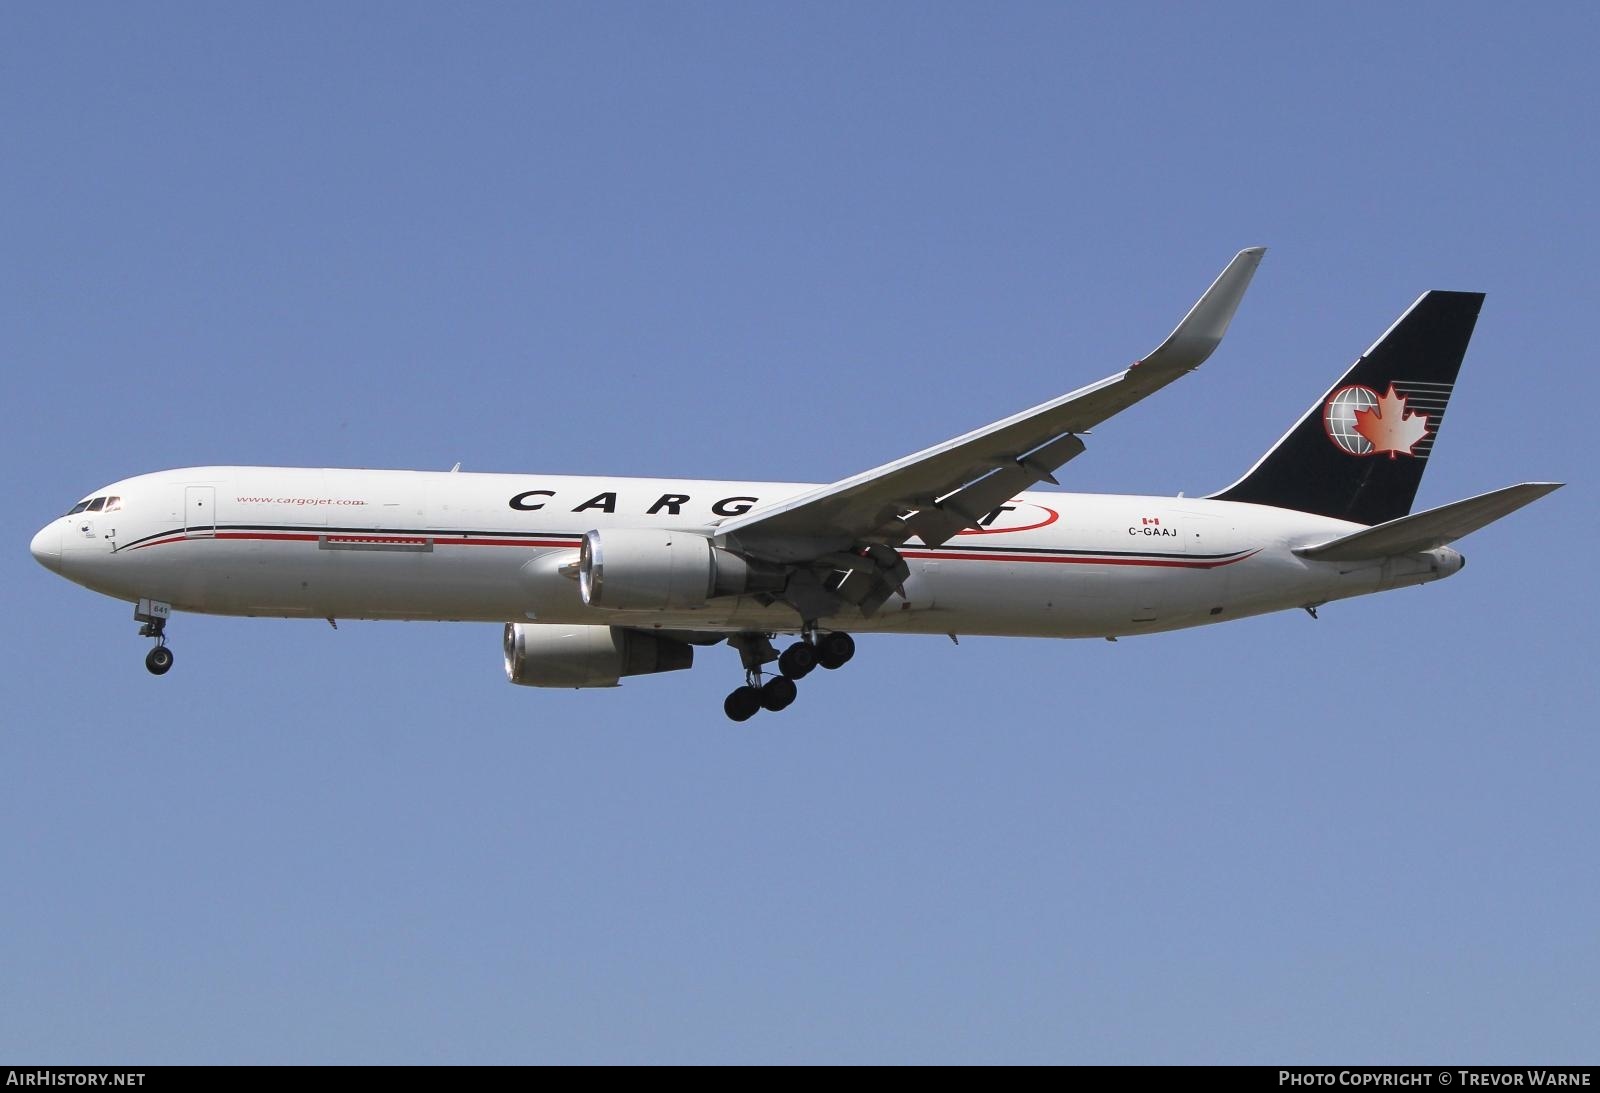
{"x": 1360, "y": 421}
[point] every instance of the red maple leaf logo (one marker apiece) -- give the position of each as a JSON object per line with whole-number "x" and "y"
{"x": 1389, "y": 427}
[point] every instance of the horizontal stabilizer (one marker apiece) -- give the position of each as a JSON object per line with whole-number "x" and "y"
{"x": 1427, "y": 530}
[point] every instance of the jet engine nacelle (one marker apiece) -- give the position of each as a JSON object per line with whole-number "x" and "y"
{"x": 587, "y": 656}
{"x": 655, "y": 569}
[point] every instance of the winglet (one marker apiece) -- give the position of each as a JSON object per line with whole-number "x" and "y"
{"x": 1201, "y": 331}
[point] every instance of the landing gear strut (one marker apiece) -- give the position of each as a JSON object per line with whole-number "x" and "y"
{"x": 154, "y": 615}
{"x": 745, "y": 702}
{"x": 830, "y": 650}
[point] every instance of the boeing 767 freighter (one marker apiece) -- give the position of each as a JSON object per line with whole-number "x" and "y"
{"x": 599, "y": 578}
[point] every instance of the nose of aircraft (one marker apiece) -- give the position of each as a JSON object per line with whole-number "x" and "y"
{"x": 46, "y": 546}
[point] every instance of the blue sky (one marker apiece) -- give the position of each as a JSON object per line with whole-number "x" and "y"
{"x": 791, "y": 242}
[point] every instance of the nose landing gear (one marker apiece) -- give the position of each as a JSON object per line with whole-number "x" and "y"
{"x": 158, "y": 660}
{"x": 154, "y": 614}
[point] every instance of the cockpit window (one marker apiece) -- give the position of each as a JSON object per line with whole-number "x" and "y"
{"x": 97, "y": 504}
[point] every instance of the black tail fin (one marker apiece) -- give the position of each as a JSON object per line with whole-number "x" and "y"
{"x": 1359, "y": 452}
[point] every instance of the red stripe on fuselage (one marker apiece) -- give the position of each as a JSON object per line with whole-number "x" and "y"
{"x": 311, "y": 537}
{"x": 1167, "y": 563}
{"x": 932, "y": 555}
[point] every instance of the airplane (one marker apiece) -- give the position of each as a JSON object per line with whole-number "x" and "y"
{"x": 596, "y": 579}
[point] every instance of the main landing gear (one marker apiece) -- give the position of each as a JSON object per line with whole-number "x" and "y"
{"x": 830, "y": 650}
{"x": 154, "y": 615}
{"x": 745, "y": 702}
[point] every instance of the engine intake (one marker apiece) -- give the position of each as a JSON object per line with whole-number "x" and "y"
{"x": 655, "y": 569}
{"x": 587, "y": 656}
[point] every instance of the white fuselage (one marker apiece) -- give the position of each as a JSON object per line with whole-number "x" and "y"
{"x": 372, "y": 544}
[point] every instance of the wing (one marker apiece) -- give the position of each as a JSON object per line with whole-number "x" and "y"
{"x": 941, "y": 490}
